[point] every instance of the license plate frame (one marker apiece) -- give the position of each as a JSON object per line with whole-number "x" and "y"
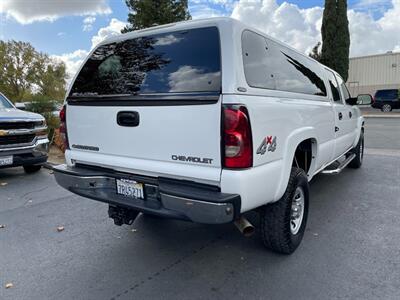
{"x": 129, "y": 188}
{"x": 6, "y": 160}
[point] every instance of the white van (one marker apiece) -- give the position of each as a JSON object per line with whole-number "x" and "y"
{"x": 203, "y": 121}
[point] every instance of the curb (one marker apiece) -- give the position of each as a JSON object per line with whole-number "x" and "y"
{"x": 49, "y": 165}
{"x": 382, "y": 116}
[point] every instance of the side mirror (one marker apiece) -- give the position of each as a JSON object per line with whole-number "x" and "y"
{"x": 364, "y": 99}
{"x": 20, "y": 106}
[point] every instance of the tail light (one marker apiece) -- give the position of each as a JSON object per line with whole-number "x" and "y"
{"x": 237, "y": 137}
{"x": 63, "y": 126}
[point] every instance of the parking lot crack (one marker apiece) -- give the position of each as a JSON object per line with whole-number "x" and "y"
{"x": 35, "y": 191}
{"x": 166, "y": 268}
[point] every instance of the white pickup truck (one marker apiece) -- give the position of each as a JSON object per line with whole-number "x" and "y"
{"x": 206, "y": 120}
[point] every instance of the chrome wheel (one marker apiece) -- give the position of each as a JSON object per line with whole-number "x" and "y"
{"x": 297, "y": 211}
{"x": 361, "y": 149}
{"x": 386, "y": 108}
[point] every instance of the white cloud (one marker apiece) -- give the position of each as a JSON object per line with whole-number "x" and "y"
{"x": 72, "y": 61}
{"x": 29, "y": 11}
{"x": 300, "y": 28}
{"x": 200, "y": 9}
{"x": 88, "y": 23}
{"x": 114, "y": 28}
{"x": 187, "y": 78}
{"x": 167, "y": 40}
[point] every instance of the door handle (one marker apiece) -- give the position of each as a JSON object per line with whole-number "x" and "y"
{"x": 336, "y": 129}
{"x": 350, "y": 114}
{"x": 128, "y": 118}
{"x": 340, "y": 116}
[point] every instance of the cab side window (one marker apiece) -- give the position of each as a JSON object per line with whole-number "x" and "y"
{"x": 334, "y": 86}
{"x": 345, "y": 91}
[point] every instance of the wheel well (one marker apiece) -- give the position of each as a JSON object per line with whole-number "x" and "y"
{"x": 305, "y": 154}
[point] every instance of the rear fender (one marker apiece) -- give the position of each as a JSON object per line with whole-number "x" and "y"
{"x": 291, "y": 143}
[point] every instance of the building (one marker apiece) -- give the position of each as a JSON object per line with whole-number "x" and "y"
{"x": 374, "y": 72}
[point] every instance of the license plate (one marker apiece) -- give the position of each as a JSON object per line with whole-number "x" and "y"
{"x": 130, "y": 188}
{"x": 6, "y": 160}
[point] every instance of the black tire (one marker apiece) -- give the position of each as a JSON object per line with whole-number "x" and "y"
{"x": 276, "y": 218}
{"x": 386, "y": 107}
{"x": 359, "y": 152}
{"x": 32, "y": 168}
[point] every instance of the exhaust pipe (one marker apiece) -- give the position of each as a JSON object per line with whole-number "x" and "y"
{"x": 245, "y": 226}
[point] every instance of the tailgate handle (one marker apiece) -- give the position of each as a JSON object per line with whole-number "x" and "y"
{"x": 128, "y": 118}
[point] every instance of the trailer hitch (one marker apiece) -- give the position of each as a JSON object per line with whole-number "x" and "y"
{"x": 122, "y": 215}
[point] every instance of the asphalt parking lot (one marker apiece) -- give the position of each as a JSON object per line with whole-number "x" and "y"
{"x": 350, "y": 249}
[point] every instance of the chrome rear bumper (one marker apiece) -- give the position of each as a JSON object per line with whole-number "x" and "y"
{"x": 165, "y": 197}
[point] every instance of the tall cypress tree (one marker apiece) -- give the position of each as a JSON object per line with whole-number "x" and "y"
{"x": 328, "y": 32}
{"x": 342, "y": 40}
{"x": 147, "y": 13}
{"x": 336, "y": 37}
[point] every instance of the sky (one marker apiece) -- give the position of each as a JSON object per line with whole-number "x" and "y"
{"x": 68, "y": 29}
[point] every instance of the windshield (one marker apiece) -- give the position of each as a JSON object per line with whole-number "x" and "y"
{"x": 182, "y": 61}
{"x": 4, "y": 102}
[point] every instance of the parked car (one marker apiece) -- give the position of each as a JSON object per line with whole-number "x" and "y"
{"x": 23, "y": 138}
{"x": 204, "y": 121}
{"x": 386, "y": 100}
{"x": 52, "y": 106}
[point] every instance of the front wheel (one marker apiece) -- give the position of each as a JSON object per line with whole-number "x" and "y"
{"x": 386, "y": 108}
{"x": 283, "y": 223}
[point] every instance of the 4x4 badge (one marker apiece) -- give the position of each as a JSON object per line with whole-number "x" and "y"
{"x": 268, "y": 144}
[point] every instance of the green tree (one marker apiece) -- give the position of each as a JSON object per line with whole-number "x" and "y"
{"x": 25, "y": 72}
{"x": 147, "y": 13}
{"x": 315, "y": 53}
{"x": 17, "y": 60}
{"x": 50, "y": 77}
{"x": 342, "y": 40}
{"x": 336, "y": 37}
{"x": 328, "y": 32}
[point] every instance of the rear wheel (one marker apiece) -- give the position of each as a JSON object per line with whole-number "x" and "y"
{"x": 32, "y": 168}
{"x": 386, "y": 108}
{"x": 283, "y": 223}
{"x": 359, "y": 152}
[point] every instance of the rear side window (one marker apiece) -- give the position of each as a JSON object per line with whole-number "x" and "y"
{"x": 345, "y": 91}
{"x": 182, "y": 61}
{"x": 333, "y": 84}
{"x": 271, "y": 66}
{"x": 387, "y": 95}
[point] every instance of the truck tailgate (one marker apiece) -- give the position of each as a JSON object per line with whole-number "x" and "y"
{"x": 179, "y": 141}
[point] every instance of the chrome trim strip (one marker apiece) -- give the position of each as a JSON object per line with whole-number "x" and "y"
{"x": 8, "y": 132}
{"x": 36, "y": 142}
{"x": 12, "y": 120}
{"x": 341, "y": 166}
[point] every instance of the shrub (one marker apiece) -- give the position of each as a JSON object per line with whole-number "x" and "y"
{"x": 47, "y": 108}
